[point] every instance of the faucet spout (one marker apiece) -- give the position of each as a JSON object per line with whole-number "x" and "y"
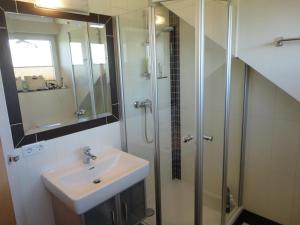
{"x": 87, "y": 155}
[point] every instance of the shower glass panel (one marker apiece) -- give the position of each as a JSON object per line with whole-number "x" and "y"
{"x": 175, "y": 54}
{"x": 134, "y": 43}
{"x": 235, "y": 137}
{"x": 99, "y": 59}
{"x": 81, "y": 69}
{"x": 216, "y": 17}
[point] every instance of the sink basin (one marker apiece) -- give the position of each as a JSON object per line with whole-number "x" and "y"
{"x": 82, "y": 187}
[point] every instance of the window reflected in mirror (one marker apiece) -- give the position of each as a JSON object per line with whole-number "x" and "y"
{"x": 61, "y": 70}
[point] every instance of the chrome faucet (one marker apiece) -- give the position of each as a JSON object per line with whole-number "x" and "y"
{"x": 87, "y": 155}
{"x": 147, "y": 103}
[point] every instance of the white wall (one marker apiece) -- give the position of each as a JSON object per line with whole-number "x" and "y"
{"x": 46, "y": 108}
{"x": 260, "y": 22}
{"x": 272, "y": 175}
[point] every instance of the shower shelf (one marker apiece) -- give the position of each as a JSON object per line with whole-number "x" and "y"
{"x": 148, "y": 75}
{"x": 162, "y": 77}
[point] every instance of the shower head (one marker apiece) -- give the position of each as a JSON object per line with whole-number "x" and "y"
{"x": 165, "y": 30}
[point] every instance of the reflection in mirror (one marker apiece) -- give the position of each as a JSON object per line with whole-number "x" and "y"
{"x": 61, "y": 70}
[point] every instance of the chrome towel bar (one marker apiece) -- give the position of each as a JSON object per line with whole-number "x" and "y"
{"x": 280, "y": 40}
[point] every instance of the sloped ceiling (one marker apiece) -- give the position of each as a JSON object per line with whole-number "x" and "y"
{"x": 260, "y": 22}
{"x": 215, "y": 29}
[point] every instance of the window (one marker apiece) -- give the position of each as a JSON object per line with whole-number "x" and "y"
{"x": 33, "y": 56}
{"x": 98, "y": 53}
{"x": 76, "y": 52}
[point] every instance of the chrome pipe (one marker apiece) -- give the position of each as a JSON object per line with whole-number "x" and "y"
{"x": 200, "y": 79}
{"x": 120, "y": 83}
{"x": 227, "y": 109}
{"x": 147, "y": 103}
{"x": 155, "y": 112}
{"x": 244, "y": 133}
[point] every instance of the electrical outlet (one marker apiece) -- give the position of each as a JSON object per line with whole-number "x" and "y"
{"x": 32, "y": 149}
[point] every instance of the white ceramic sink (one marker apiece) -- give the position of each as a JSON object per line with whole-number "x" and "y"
{"x": 78, "y": 186}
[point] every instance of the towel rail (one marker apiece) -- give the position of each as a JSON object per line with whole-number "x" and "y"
{"x": 280, "y": 40}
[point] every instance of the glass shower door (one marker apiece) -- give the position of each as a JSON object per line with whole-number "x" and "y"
{"x": 214, "y": 109}
{"x": 81, "y": 70}
{"x": 134, "y": 44}
{"x": 100, "y": 69}
{"x": 175, "y": 62}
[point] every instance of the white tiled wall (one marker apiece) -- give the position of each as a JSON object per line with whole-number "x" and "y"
{"x": 272, "y": 172}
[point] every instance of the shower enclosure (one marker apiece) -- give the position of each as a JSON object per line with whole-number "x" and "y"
{"x": 179, "y": 81}
{"x": 90, "y": 72}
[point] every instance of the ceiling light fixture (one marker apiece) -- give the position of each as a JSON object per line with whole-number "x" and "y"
{"x": 77, "y": 6}
{"x": 49, "y": 4}
{"x": 159, "y": 20}
{"x": 99, "y": 26}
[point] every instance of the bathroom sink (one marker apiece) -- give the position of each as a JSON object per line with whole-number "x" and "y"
{"x": 82, "y": 187}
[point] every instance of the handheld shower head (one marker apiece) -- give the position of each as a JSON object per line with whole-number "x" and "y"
{"x": 166, "y": 29}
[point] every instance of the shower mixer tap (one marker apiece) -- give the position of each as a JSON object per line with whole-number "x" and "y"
{"x": 147, "y": 103}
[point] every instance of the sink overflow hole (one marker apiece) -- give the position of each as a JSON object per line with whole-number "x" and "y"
{"x": 97, "y": 181}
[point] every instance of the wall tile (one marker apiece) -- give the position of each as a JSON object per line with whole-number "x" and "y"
{"x": 262, "y": 95}
{"x": 272, "y": 153}
{"x": 286, "y": 107}
{"x": 257, "y": 166}
{"x": 296, "y": 193}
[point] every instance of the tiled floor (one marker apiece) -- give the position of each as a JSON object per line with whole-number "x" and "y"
{"x": 249, "y": 218}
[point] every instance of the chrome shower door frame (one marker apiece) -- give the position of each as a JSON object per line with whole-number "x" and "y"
{"x": 227, "y": 109}
{"x": 200, "y": 84}
{"x": 155, "y": 112}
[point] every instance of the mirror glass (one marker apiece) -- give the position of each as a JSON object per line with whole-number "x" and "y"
{"x": 61, "y": 70}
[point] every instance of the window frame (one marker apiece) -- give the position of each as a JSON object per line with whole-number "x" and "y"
{"x": 41, "y": 37}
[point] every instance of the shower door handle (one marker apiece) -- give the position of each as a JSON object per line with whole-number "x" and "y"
{"x": 208, "y": 138}
{"x": 188, "y": 138}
